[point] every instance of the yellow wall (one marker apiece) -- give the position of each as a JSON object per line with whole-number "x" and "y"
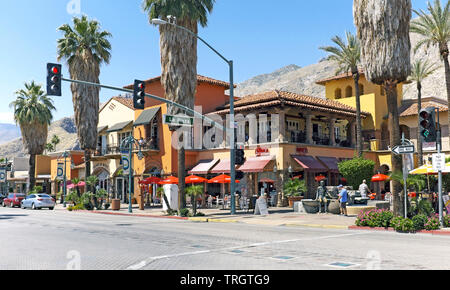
{"x": 43, "y": 165}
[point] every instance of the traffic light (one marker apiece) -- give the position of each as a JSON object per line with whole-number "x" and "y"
{"x": 139, "y": 95}
{"x": 54, "y": 79}
{"x": 428, "y": 125}
{"x": 240, "y": 156}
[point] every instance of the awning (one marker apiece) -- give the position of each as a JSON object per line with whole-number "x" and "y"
{"x": 204, "y": 166}
{"x": 119, "y": 126}
{"x": 309, "y": 163}
{"x": 330, "y": 162}
{"x": 224, "y": 166}
{"x": 256, "y": 164}
{"x": 101, "y": 129}
{"x": 146, "y": 117}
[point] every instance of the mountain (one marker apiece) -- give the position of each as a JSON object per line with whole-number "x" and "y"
{"x": 302, "y": 80}
{"x": 8, "y": 132}
{"x": 65, "y": 129}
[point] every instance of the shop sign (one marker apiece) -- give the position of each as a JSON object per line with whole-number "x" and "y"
{"x": 60, "y": 170}
{"x": 262, "y": 152}
{"x": 302, "y": 150}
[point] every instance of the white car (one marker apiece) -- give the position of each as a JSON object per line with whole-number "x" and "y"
{"x": 38, "y": 201}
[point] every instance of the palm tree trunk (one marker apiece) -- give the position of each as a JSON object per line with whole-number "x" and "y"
{"x": 181, "y": 179}
{"x": 359, "y": 139}
{"x": 419, "y": 136}
{"x": 395, "y": 139}
{"x": 32, "y": 172}
{"x": 445, "y": 53}
{"x": 87, "y": 162}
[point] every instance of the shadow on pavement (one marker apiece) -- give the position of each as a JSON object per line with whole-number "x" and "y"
{"x": 11, "y": 216}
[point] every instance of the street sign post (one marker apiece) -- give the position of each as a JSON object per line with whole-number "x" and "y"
{"x": 183, "y": 121}
{"x": 439, "y": 162}
{"x": 403, "y": 149}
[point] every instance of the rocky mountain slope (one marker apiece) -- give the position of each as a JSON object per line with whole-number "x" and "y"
{"x": 8, "y": 132}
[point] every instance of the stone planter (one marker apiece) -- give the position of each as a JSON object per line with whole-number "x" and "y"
{"x": 334, "y": 207}
{"x": 311, "y": 206}
{"x": 294, "y": 199}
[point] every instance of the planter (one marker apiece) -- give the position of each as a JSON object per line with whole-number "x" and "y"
{"x": 311, "y": 206}
{"x": 115, "y": 205}
{"x": 293, "y": 199}
{"x": 334, "y": 207}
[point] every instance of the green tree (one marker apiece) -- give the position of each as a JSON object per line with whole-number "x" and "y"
{"x": 33, "y": 113}
{"x": 383, "y": 30}
{"x": 347, "y": 54}
{"x": 357, "y": 170}
{"x": 421, "y": 69}
{"x": 85, "y": 46}
{"x": 179, "y": 58}
{"x": 434, "y": 27}
{"x": 194, "y": 191}
{"x": 295, "y": 187}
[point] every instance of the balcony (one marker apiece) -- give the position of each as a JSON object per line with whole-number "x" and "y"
{"x": 149, "y": 144}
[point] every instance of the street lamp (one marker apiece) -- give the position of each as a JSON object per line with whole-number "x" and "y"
{"x": 65, "y": 155}
{"x": 158, "y": 21}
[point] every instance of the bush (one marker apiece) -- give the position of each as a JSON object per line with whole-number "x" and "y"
{"x": 357, "y": 170}
{"x": 403, "y": 225}
{"x": 432, "y": 224}
{"x": 447, "y": 221}
{"x": 199, "y": 214}
{"x": 184, "y": 212}
{"x": 374, "y": 218}
{"x": 419, "y": 221}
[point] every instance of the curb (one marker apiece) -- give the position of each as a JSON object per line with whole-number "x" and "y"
{"x": 134, "y": 215}
{"x": 435, "y": 232}
{"x": 318, "y": 226}
{"x": 211, "y": 220}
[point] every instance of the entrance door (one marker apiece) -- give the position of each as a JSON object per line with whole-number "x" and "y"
{"x": 119, "y": 189}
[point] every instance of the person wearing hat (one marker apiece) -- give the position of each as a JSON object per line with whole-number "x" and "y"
{"x": 343, "y": 199}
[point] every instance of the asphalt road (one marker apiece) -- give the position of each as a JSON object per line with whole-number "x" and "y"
{"x": 59, "y": 240}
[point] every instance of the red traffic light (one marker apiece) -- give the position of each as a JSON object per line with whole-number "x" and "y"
{"x": 55, "y": 70}
{"x": 424, "y": 114}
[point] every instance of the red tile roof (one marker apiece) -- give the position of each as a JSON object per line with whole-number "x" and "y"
{"x": 125, "y": 101}
{"x": 338, "y": 77}
{"x": 410, "y": 108}
{"x": 200, "y": 79}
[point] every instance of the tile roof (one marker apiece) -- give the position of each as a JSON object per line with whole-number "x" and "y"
{"x": 200, "y": 79}
{"x": 338, "y": 77}
{"x": 125, "y": 101}
{"x": 411, "y": 108}
{"x": 278, "y": 98}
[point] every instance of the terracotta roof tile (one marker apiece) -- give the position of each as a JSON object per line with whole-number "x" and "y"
{"x": 413, "y": 110}
{"x": 338, "y": 77}
{"x": 125, "y": 101}
{"x": 200, "y": 78}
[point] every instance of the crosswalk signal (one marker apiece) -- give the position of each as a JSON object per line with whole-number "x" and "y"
{"x": 54, "y": 79}
{"x": 428, "y": 125}
{"x": 139, "y": 95}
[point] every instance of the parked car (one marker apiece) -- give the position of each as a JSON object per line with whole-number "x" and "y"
{"x": 13, "y": 200}
{"x": 38, "y": 201}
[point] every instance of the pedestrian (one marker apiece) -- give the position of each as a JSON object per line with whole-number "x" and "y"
{"x": 343, "y": 199}
{"x": 364, "y": 189}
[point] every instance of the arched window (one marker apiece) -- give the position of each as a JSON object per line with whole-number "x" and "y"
{"x": 349, "y": 92}
{"x": 338, "y": 94}
{"x": 361, "y": 89}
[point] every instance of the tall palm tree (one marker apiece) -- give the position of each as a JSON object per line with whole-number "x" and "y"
{"x": 421, "y": 69}
{"x": 179, "y": 57}
{"x": 85, "y": 46}
{"x": 348, "y": 55}
{"x": 33, "y": 113}
{"x": 383, "y": 30}
{"x": 435, "y": 29}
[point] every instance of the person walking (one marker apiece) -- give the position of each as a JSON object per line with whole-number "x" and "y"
{"x": 343, "y": 199}
{"x": 364, "y": 189}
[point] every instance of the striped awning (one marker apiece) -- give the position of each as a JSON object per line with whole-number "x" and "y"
{"x": 204, "y": 166}
{"x": 256, "y": 164}
{"x": 309, "y": 163}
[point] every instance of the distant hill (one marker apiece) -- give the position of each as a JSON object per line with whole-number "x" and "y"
{"x": 302, "y": 80}
{"x": 65, "y": 129}
{"x": 8, "y": 132}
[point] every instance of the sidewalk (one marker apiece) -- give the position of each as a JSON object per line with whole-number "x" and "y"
{"x": 276, "y": 217}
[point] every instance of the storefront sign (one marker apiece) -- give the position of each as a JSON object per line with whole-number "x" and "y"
{"x": 262, "y": 152}
{"x": 302, "y": 150}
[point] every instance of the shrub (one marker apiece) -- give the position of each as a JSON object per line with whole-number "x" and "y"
{"x": 295, "y": 187}
{"x": 199, "y": 214}
{"x": 432, "y": 224}
{"x": 70, "y": 208}
{"x": 447, "y": 221}
{"x": 374, "y": 218}
{"x": 184, "y": 212}
{"x": 356, "y": 170}
{"x": 419, "y": 221}
{"x": 425, "y": 207}
{"x": 403, "y": 225}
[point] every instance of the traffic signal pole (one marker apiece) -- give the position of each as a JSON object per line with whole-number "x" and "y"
{"x": 439, "y": 148}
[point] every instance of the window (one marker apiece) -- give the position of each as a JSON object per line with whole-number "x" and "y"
{"x": 349, "y": 92}
{"x": 338, "y": 94}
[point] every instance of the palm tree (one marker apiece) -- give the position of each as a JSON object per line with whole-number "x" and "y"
{"x": 421, "y": 69}
{"x": 435, "y": 29}
{"x": 383, "y": 32}
{"x": 85, "y": 47}
{"x": 348, "y": 55}
{"x": 179, "y": 58}
{"x": 33, "y": 113}
{"x": 194, "y": 191}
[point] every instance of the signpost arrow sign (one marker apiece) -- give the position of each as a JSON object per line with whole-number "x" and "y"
{"x": 404, "y": 149}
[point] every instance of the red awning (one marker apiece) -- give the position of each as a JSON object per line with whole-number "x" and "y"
{"x": 330, "y": 162}
{"x": 204, "y": 166}
{"x": 309, "y": 163}
{"x": 256, "y": 164}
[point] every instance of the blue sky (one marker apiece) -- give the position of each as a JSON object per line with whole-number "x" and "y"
{"x": 259, "y": 35}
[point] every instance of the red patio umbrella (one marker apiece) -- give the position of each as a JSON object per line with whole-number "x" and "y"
{"x": 150, "y": 180}
{"x": 320, "y": 178}
{"x": 380, "y": 178}
{"x": 195, "y": 179}
{"x": 297, "y": 177}
{"x": 222, "y": 179}
{"x": 169, "y": 180}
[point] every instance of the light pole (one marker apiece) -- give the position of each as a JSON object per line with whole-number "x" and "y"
{"x": 158, "y": 21}
{"x": 65, "y": 155}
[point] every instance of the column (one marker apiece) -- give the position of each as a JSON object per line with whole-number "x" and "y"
{"x": 352, "y": 132}
{"x": 332, "y": 131}
{"x": 281, "y": 138}
{"x": 309, "y": 129}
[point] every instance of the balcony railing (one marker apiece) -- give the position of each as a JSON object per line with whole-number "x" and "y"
{"x": 149, "y": 144}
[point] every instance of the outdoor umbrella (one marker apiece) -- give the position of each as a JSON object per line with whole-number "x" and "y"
{"x": 151, "y": 180}
{"x": 320, "y": 178}
{"x": 195, "y": 179}
{"x": 380, "y": 178}
{"x": 222, "y": 179}
{"x": 297, "y": 177}
{"x": 169, "y": 180}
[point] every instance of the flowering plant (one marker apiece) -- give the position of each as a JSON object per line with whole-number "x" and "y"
{"x": 374, "y": 218}
{"x": 432, "y": 223}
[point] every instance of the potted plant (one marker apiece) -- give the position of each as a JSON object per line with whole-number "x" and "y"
{"x": 295, "y": 190}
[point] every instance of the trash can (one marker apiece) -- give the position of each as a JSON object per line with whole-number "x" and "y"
{"x": 115, "y": 205}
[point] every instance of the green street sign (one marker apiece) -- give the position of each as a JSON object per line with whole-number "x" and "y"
{"x": 182, "y": 121}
